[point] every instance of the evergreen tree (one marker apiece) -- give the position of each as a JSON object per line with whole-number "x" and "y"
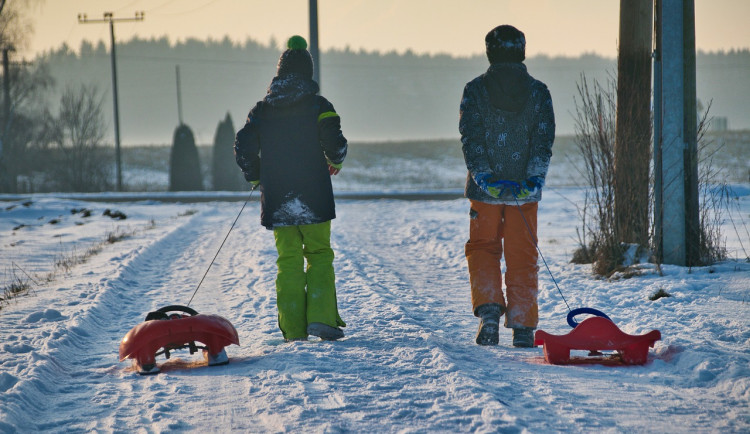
{"x": 184, "y": 164}
{"x": 226, "y": 175}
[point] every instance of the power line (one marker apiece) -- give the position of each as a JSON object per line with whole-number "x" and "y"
{"x": 184, "y": 12}
{"x": 128, "y": 5}
{"x": 161, "y": 5}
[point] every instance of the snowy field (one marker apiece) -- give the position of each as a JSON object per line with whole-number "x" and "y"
{"x": 408, "y": 362}
{"x": 430, "y": 165}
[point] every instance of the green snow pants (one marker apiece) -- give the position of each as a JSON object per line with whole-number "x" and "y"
{"x": 305, "y": 295}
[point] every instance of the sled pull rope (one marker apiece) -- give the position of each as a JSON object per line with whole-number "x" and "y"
{"x": 533, "y": 238}
{"x": 222, "y": 244}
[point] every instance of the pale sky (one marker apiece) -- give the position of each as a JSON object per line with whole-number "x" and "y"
{"x": 456, "y": 27}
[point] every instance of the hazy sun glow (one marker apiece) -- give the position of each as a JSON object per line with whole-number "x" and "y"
{"x": 552, "y": 27}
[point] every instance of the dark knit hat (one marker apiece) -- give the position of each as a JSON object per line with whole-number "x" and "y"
{"x": 296, "y": 59}
{"x": 505, "y": 44}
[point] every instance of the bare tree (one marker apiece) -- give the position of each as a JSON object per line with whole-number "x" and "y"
{"x": 21, "y": 83}
{"x": 79, "y": 162}
{"x": 595, "y": 138}
{"x": 15, "y": 25}
{"x": 20, "y": 128}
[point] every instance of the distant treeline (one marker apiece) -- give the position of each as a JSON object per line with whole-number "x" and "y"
{"x": 380, "y": 96}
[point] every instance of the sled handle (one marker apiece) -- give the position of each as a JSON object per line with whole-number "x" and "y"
{"x": 162, "y": 313}
{"x": 581, "y": 310}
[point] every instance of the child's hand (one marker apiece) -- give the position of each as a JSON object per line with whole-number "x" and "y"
{"x": 497, "y": 187}
{"x": 529, "y": 187}
{"x": 334, "y": 169}
{"x": 493, "y": 186}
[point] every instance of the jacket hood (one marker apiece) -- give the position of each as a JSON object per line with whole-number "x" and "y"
{"x": 287, "y": 89}
{"x": 509, "y": 85}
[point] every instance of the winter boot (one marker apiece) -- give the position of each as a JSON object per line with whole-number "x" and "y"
{"x": 148, "y": 369}
{"x": 216, "y": 359}
{"x": 324, "y": 331}
{"x": 489, "y": 324}
{"x": 523, "y": 337}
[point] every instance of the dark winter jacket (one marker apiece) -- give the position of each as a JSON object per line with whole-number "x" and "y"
{"x": 286, "y": 143}
{"x": 507, "y": 128}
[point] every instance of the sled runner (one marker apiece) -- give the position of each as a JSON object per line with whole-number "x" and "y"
{"x": 173, "y": 328}
{"x": 596, "y": 334}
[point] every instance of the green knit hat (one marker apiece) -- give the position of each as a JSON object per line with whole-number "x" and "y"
{"x": 296, "y": 59}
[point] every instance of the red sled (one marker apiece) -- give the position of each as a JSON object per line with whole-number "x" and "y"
{"x": 596, "y": 334}
{"x": 166, "y": 330}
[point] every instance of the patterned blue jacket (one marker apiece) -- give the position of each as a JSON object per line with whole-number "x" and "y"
{"x": 286, "y": 143}
{"x": 507, "y": 127}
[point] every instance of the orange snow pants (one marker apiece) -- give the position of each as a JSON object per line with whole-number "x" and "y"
{"x": 495, "y": 229}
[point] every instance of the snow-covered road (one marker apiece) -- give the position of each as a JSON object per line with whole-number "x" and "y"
{"x": 408, "y": 363}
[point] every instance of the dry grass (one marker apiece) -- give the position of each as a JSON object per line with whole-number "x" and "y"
{"x": 599, "y": 237}
{"x": 595, "y": 138}
{"x": 20, "y": 283}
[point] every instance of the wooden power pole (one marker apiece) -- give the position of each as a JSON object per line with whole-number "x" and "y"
{"x": 7, "y": 172}
{"x": 110, "y": 19}
{"x": 633, "y": 131}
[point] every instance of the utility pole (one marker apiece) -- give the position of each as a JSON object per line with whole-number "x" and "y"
{"x": 7, "y": 175}
{"x": 109, "y": 18}
{"x": 633, "y": 130}
{"x": 692, "y": 205}
{"x": 676, "y": 209}
{"x": 314, "y": 51}
{"x": 179, "y": 94}
{"x": 6, "y": 83}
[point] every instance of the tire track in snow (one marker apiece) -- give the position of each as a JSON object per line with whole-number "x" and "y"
{"x": 241, "y": 284}
{"x": 408, "y": 362}
{"x": 240, "y": 287}
{"x": 61, "y": 352}
{"x": 185, "y": 375}
{"x": 432, "y": 295}
{"x": 407, "y": 321}
{"x": 85, "y": 347}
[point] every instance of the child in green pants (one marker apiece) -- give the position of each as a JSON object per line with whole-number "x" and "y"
{"x": 301, "y": 312}
{"x": 290, "y": 146}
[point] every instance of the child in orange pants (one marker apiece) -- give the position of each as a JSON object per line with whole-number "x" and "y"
{"x": 496, "y": 230}
{"x": 507, "y": 130}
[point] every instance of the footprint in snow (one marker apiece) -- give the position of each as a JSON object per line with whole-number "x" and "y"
{"x": 17, "y": 349}
{"x": 48, "y": 315}
{"x": 7, "y": 381}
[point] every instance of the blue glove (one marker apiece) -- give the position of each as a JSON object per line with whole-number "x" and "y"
{"x": 529, "y": 187}
{"x": 493, "y": 186}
